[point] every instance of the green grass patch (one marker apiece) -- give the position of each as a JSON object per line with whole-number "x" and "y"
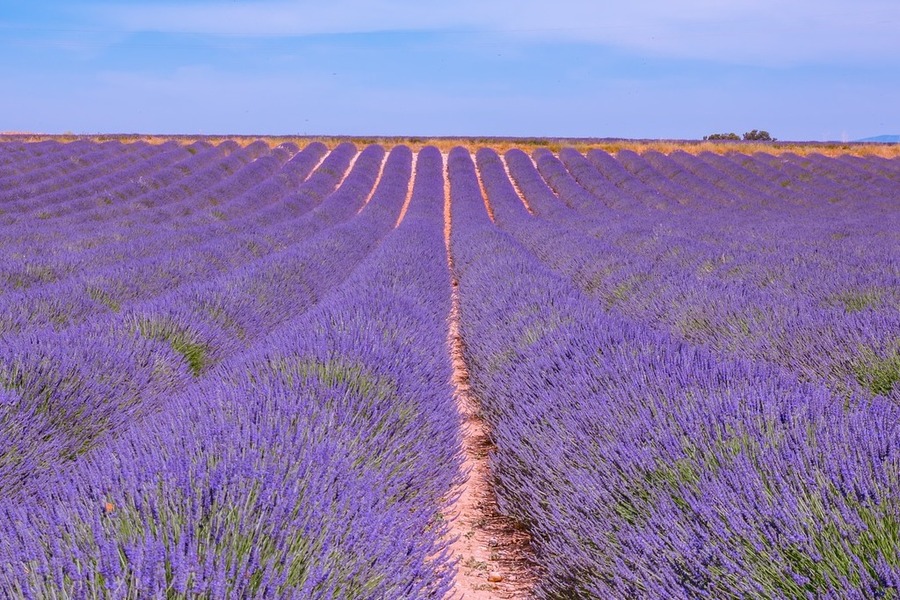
{"x": 98, "y": 295}
{"x": 12, "y": 377}
{"x": 840, "y": 557}
{"x": 335, "y": 372}
{"x": 194, "y": 351}
{"x": 876, "y": 373}
{"x": 855, "y": 301}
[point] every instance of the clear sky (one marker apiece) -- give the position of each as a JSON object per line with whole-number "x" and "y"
{"x": 801, "y": 69}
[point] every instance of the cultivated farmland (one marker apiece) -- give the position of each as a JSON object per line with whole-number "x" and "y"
{"x": 237, "y": 371}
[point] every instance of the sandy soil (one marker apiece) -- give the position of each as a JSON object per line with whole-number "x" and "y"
{"x": 374, "y": 185}
{"x": 484, "y": 196}
{"x": 409, "y": 191}
{"x": 516, "y": 185}
{"x": 348, "y": 171}
{"x": 492, "y": 552}
{"x": 316, "y": 168}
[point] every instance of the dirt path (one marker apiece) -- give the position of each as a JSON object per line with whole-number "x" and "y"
{"x": 348, "y": 171}
{"x": 515, "y": 185}
{"x": 492, "y": 553}
{"x": 409, "y": 191}
{"x": 316, "y": 168}
{"x": 374, "y": 185}
{"x": 484, "y": 196}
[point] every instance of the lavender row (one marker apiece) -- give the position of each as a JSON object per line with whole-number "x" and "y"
{"x": 695, "y": 180}
{"x": 859, "y": 181}
{"x": 798, "y": 179}
{"x": 616, "y": 181}
{"x": 50, "y": 207}
{"x": 186, "y": 196}
{"x": 743, "y": 281}
{"x": 18, "y": 158}
{"x": 735, "y": 179}
{"x": 33, "y": 256}
{"x": 193, "y": 330}
{"x": 805, "y": 187}
{"x": 18, "y": 195}
{"x": 68, "y": 159}
{"x": 885, "y": 167}
{"x": 835, "y": 183}
{"x": 686, "y": 179}
{"x": 198, "y": 305}
{"x": 93, "y": 200}
{"x": 71, "y": 211}
{"x": 133, "y": 279}
{"x": 68, "y": 233}
{"x": 313, "y": 467}
{"x": 125, "y": 239}
{"x": 647, "y": 468}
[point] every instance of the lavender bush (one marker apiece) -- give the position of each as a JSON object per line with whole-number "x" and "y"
{"x": 314, "y": 463}
{"x": 648, "y": 467}
{"x": 224, "y": 369}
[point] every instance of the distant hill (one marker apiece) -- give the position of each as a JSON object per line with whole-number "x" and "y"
{"x": 886, "y": 139}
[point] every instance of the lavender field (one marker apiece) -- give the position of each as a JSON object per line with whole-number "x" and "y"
{"x": 225, "y": 370}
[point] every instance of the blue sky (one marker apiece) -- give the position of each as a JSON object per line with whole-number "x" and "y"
{"x": 803, "y": 70}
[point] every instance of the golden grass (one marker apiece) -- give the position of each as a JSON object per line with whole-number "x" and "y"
{"x": 501, "y": 144}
